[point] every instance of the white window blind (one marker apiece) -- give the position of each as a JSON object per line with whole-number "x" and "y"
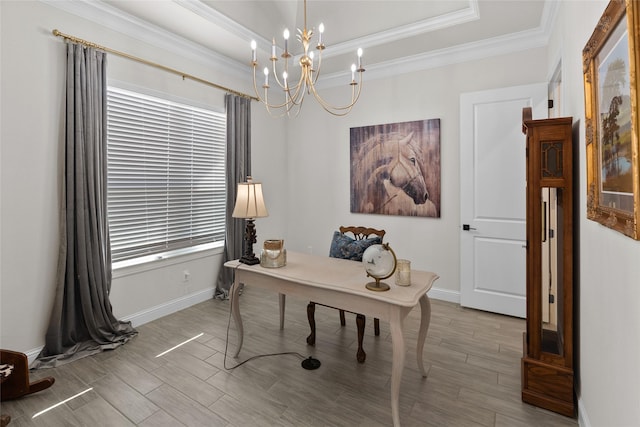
{"x": 166, "y": 175}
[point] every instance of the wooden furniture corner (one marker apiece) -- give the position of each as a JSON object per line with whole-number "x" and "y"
{"x": 17, "y": 384}
{"x": 548, "y": 356}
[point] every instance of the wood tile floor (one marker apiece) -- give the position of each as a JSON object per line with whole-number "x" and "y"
{"x": 472, "y": 357}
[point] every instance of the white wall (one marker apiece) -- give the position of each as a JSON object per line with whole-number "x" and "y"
{"x": 304, "y": 164}
{"x": 319, "y": 160}
{"x": 305, "y": 170}
{"x": 32, "y": 102}
{"x": 609, "y": 279}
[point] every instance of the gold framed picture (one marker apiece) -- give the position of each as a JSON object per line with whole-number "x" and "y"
{"x": 610, "y": 61}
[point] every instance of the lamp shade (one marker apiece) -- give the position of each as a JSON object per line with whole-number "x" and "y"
{"x": 249, "y": 201}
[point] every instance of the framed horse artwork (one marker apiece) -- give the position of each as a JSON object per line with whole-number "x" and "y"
{"x": 395, "y": 168}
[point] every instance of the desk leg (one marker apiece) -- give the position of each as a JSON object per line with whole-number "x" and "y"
{"x": 282, "y": 301}
{"x": 425, "y": 319}
{"x": 235, "y": 312}
{"x": 397, "y": 365}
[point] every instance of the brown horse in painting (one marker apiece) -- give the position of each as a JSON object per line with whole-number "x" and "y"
{"x": 387, "y": 177}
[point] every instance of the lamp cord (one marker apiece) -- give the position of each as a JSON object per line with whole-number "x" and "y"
{"x": 226, "y": 346}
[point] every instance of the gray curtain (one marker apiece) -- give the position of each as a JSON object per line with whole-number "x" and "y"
{"x": 82, "y": 322}
{"x": 238, "y": 166}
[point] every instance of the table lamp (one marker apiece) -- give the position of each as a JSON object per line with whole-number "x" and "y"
{"x": 249, "y": 205}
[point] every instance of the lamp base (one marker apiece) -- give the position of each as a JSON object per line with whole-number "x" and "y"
{"x": 249, "y": 257}
{"x": 310, "y": 363}
{"x": 249, "y": 261}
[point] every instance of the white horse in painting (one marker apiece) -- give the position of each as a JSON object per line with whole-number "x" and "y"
{"x": 387, "y": 177}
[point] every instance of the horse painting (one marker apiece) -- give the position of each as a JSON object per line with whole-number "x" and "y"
{"x": 388, "y": 175}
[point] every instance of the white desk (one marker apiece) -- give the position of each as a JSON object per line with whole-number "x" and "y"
{"x": 341, "y": 284}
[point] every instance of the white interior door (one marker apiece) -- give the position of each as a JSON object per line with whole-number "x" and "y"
{"x": 493, "y": 203}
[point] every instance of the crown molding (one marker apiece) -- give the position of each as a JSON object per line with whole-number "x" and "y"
{"x": 481, "y": 49}
{"x": 549, "y": 14}
{"x": 103, "y": 14}
{"x": 113, "y": 18}
{"x": 469, "y": 14}
{"x": 218, "y": 19}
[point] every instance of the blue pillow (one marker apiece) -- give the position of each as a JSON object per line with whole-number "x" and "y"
{"x": 345, "y": 247}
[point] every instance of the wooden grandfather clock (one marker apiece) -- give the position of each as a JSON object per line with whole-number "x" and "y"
{"x": 548, "y": 359}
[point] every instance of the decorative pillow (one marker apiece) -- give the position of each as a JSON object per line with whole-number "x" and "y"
{"x": 345, "y": 247}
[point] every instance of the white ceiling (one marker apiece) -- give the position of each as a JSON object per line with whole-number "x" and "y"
{"x": 407, "y": 33}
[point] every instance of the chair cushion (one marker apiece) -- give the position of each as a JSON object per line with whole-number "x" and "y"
{"x": 343, "y": 246}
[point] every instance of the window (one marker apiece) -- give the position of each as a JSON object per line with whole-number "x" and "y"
{"x": 166, "y": 175}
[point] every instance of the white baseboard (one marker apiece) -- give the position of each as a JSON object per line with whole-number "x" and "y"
{"x": 583, "y": 419}
{"x": 173, "y": 306}
{"x": 152, "y": 313}
{"x": 444, "y": 295}
{"x": 32, "y": 354}
{"x": 454, "y": 297}
{"x": 169, "y": 307}
{"x": 187, "y": 301}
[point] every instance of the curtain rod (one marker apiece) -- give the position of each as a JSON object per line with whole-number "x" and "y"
{"x": 153, "y": 64}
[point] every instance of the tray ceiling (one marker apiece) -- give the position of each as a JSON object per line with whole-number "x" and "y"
{"x": 390, "y": 32}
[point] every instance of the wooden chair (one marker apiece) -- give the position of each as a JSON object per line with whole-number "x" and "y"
{"x": 359, "y": 233}
{"x": 16, "y": 384}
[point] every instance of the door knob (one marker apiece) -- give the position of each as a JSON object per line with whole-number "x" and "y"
{"x": 466, "y": 227}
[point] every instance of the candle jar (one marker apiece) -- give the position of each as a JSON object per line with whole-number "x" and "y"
{"x": 273, "y": 254}
{"x": 403, "y": 272}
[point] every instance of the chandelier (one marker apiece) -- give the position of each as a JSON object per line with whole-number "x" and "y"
{"x": 309, "y": 72}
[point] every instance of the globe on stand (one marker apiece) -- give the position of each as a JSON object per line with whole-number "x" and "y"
{"x": 380, "y": 263}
